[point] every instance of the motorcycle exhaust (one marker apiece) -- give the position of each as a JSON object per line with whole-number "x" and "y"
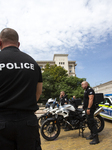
{"x": 68, "y": 123}
{"x": 98, "y": 111}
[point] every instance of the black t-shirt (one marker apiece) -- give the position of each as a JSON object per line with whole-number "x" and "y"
{"x": 89, "y": 91}
{"x": 19, "y": 75}
{"x": 63, "y": 100}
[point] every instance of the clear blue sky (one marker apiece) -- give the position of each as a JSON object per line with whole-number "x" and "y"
{"x": 95, "y": 64}
{"x": 80, "y": 28}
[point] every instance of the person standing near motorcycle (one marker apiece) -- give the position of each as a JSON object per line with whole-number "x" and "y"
{"x": 74, "y": 97}
{"x": 63, "y": 98}
{"x": 89, "y": 106}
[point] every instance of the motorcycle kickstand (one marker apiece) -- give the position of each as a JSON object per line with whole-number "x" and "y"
{"x": 81, "y": 131}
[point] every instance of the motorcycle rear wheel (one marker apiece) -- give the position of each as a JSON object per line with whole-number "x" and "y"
{"x": 99, "y": 123}
{"x": 50, "y": 130}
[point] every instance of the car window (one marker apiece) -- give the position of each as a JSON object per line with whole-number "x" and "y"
{"x": 103, "y": 102}
{"x": 107, "y": 101}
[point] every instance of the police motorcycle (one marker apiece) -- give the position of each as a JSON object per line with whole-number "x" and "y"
{"x": 50, "y": 108}
{"x": 73, "y": 116}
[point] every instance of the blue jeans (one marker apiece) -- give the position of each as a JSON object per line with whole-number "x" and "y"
{"x": 19, "y": 131}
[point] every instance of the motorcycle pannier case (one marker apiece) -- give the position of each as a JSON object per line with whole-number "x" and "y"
{"x": 99, "y": 98}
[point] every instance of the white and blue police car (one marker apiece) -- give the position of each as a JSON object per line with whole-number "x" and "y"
{"x": 107, "y": 107}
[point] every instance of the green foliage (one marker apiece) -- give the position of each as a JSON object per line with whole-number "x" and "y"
{"x": 56, "y": 71}
{"x": 55, "y": 79}
{"x": 72, "y": 86}
{"x": 48, "y": 83}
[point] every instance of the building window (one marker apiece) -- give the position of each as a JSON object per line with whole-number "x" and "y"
{"x": 70, "y": 66}
{"x": 70, "y": 71}
{"x": 62, "y": 63}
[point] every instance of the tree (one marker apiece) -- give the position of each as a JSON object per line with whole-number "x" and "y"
{"x": 48, "y": 81}
{"x": 52, "y": 76}
{"x": 72, "y": 86}
{"x": 56, "y": 71}
{"x": 56, "y": 79}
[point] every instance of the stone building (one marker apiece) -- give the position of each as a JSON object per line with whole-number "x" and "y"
{"x": 61, "y": 60}
{"x": 105, "y": 88}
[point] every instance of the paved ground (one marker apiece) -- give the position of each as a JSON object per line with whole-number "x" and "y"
{"x": 70, "y": 140}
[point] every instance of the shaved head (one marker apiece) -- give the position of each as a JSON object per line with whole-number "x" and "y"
{"x": 84, "y": 84}
{"x": 9, "y": 37}
{"x": 62, "y": 92}
{"x": 74, "y": 97}
{"x": 9, "y": 34}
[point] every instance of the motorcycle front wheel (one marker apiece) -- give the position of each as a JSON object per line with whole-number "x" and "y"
{"x": 50, "y": 130}
{"x": 41, "y": 119}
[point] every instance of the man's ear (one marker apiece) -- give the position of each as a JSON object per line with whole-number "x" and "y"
{"x": 18, "y": 44}
{"x": 0, "y": 43}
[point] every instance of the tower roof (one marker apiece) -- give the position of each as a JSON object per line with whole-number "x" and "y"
{"x": 60, "y": 55}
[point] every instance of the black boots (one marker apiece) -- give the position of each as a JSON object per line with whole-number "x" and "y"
{"x": 90, "y": 137}
{"x": 95, "y": 140}
{"x": 94, "y": 137}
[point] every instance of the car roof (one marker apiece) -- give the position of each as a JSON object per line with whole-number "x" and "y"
{"x": 108, "y": 95}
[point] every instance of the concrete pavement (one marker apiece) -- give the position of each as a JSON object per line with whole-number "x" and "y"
{"x": 40, "y": 111}
{"x": 70, "y": 140}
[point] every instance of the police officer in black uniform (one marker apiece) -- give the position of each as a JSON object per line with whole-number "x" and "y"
{"x": 20, "y": 89}
{"x": 89, "y": 106}
{"x": 63, "y": 98}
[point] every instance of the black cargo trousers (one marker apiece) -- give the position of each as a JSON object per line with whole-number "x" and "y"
{"x": 91, "y": 122}
{"x": 19, "y": 131}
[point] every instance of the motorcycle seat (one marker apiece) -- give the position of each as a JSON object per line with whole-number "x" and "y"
{"x": 79, "y": 109}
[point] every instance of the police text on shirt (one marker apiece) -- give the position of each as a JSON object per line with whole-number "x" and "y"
{"x": 17, "y": 66}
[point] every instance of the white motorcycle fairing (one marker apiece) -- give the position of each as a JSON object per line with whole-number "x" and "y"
{"x": 65, "y": 110}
